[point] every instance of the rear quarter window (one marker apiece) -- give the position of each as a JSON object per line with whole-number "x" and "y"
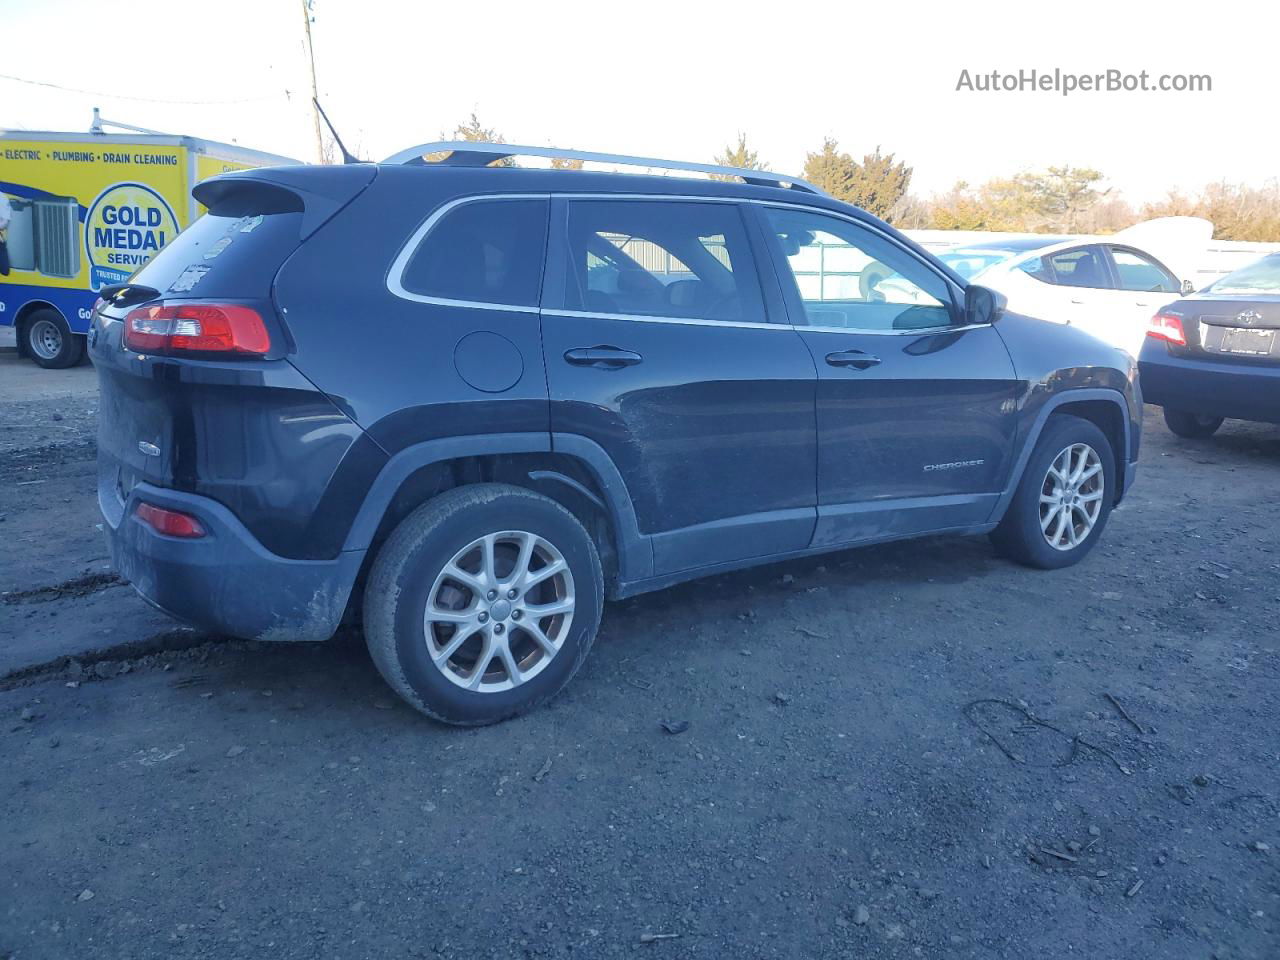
{"x": 482, "y": 251}
{"x": 221, "y": 256}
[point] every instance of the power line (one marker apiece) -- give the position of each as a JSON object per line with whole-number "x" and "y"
{"x": 116, "y": 96}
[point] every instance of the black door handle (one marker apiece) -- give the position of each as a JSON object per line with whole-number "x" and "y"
{"x": 852, "y": 358}
{"x": 605, "y": 357}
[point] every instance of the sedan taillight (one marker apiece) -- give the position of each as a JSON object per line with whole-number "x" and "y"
{"x": 1167, "y": 327}
{"x": 196, "y": 328}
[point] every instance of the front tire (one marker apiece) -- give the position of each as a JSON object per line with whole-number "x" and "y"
{"x": 1063, "y": 499}
{"x": 50, "y": 342}
{"x": 483, "y": 603}
{"x": 1193, "y": 426}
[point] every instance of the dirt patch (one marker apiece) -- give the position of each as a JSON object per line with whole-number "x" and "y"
{"x": 915, "y": 750}
{"x": 68, "y": 590}
{"x": 161, "y": 651}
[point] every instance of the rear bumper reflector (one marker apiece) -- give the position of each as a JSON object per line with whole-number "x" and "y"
{"x": 171, "y": 523}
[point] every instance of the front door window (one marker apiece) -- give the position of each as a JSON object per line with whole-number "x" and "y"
{"x": 851, "y": 278}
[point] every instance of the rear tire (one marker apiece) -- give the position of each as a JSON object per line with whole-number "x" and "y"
{"x": 1193, "y": 426}
{"x": 50, "y": 342}
{"x": 483, "y": 603}
{"x": 1062, "y": 502}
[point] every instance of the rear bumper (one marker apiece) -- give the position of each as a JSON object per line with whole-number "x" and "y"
{"x": 1240, "y": 391}
{"x": 225, "y": 581}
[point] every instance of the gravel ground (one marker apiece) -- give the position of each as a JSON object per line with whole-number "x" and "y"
{"x": 904, "y": 751}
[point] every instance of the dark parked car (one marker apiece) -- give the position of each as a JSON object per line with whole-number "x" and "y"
{"x": 466, "y": 404}
{"x": 1215, "y": 354}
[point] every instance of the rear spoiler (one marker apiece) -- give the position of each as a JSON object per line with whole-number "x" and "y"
{"x": 315, "y": 192}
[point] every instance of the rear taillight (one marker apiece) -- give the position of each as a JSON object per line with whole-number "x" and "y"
{"x": 196, "y": 328}
{"x": 1166, "y": 326}
{"x": 172, "y": 523}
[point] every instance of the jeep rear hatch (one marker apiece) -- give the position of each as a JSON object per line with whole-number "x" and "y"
{"x": 197, "y": 392}
{"x": 256, "y": 219}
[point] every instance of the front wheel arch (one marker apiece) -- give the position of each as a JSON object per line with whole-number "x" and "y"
{"x": 1109, "y": 417}
{"x": 1021, "y": 534}
{"x": 1089, "y": 404}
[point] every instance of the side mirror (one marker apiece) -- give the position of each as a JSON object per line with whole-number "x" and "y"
{"x": 982, "y": 305}
{"x": 1188, "y": 288}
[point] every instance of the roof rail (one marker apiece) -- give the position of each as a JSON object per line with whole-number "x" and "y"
{"x": 476, "y": 153}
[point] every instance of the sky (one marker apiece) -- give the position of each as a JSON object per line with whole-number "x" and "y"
{"x": 674, "y": 79}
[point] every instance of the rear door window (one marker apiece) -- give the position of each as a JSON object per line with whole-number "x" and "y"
{"x": 661, "y": 258}
{"x": 484, "y": 251}
{"x": 1138, "y": 272}
{"x": 1077, "y": 267}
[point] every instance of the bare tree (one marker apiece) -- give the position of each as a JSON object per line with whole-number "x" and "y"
{"x": 1238, "y": 211}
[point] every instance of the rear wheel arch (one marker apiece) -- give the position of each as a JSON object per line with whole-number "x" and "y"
{"x": 495, "y": 534}
{"x": 568, "y": 480}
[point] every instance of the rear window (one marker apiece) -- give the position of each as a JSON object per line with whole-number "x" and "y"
{"x": 218, "y": 256}
{"x": 1261, "y": 278}
{"x": 484, "y": 251}
{"x": 970, "y": 263}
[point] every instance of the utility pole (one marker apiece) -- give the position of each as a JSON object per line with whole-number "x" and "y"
{"x": 311, "y": 65}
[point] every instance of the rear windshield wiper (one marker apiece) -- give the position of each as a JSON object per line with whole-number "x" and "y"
{"x": 127, "y": 294}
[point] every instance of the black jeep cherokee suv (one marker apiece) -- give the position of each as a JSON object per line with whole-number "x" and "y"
{"x": 469, "y": 403}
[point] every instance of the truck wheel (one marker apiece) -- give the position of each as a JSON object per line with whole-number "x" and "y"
{"x": 1194, "y": 426}
{"x": 50, "y": 342}
{"x": 483, "y": 603}
{"x": 1063, "y": 499}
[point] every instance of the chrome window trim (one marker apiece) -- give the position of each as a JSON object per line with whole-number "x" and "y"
{"x": 921, "y": 332}
{"x": 687, "y": 321}
{"x": 395, "y": 272}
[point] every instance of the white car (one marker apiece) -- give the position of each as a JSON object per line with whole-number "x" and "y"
{"x": 1107, "y": 287}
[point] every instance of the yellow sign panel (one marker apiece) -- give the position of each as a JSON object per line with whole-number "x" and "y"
{"x": 126, "y": 225}
{"x": 89, "y": 214}
{"x": 210, "y": 166}
{"x": 90, "y": 210}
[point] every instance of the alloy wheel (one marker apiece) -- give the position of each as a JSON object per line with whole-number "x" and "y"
{"x": 1071, "y": 496}
{"x": 499, "y": 611}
